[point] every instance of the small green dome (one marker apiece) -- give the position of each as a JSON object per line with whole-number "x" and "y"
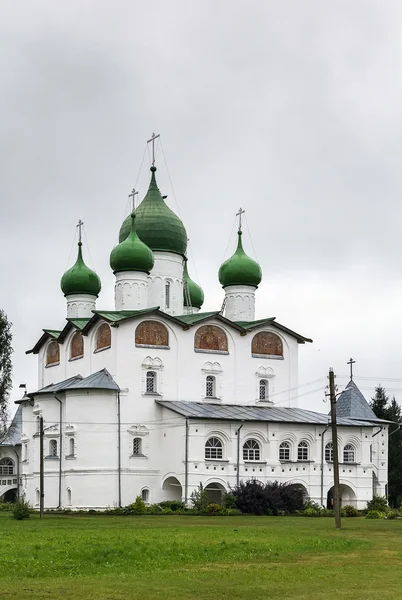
{"x": 240, "y": 269}
{"x": 194, "y": 290}
{"x": 80, "y": 279}
{"x": 157, "y": 226}
{"x": 132, "y": 254}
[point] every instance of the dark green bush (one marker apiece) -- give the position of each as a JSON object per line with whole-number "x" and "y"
{"x": 214, "y": 509}
{"x": 174, "y": 505}
{"x": 349, "y": 511}
{"x": 20, "y": 510}
{"x": 311, "y": 511}
{"x": 229, "y": 501}
{"x": 199, "y": 498}
{"x": 394, "y": 514}
{"x": 5, "y": 506}
{"x": 378, "y": 503}
{"x": 374, "y": 514}
{"x": 273, "y": 498}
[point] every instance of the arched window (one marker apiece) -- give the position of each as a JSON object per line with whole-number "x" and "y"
{"x": 329, "y": 452}
{"x": 37, "y": 497}
{"x": 213, "y": 448}
{"x": 302, "y": 451}
{"x": 77, "y": 345}
{"x": 210, "y": 386}
{"x": 53, "y": 448}
{"x": 210, "y": 338}
{"x": 167, "y": 294}
{"x": 25, "y": 451}
{"x": 53, "y": 354}
{"x": 266, "y": 343}
{"x": 103, "y": 337}
{"x": 349, "y": 454}
{"x": 150, "y": 387}
{"x": 251, "y": 450}
{"x": 152, "y": 333}
{"x": 284, "y": 451}
{"x": 137, "y": 447}
{"x": 264, "y": 389}
{"x": 68, "y": 496}
{"x": 71, "y": 447}
{"x": 6, "y": 466}
{"x": 145, "y": 495}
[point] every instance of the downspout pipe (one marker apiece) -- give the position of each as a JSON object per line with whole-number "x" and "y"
{"x": 322, "y": 465}
{"x": 18, "y": 468}
{"x": 118, "y": 449}
{"x": 60, "y": 443}
{"x": 238, "y": 455}
{"x": 186, "y": 463}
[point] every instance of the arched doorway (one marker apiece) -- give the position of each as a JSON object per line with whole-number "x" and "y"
{"x": 347, "y": 496}
{"x": 172, "y": 489}
{"x": 215, "y": 492}
{"x": 302, "y": 488}
{"x": 10, "y": 495}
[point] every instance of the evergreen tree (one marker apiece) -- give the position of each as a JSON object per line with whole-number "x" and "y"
{"x": 379, "y": 403}
{"x": 5, "y": 369}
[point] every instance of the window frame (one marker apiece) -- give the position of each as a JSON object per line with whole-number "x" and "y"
{"x": 284, "y": 451}
{"x": 6, "y": 468}
{"x": 251, "y": 450}
{"x": 349, "y": 451}
{"x": 145, "y": 494}
{"x": 56, "y": 362}
{"x": 168, "y": 286}
{"x": 137, "y": 441}
{"x": 151, "y": 375}
{"x": 77, "y": 356}
{"x": 329, "y": 452}
{"x": 263, "y": 384}
{"x": 102, "y": 348}
{"x": 214, "y": 450}
{"x": 303, "y": 451}
{"x": 53, "y": 448}
{"x": 210, "y": 379}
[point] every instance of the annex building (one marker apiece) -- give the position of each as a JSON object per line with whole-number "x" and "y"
{"x": 154, "y": 396}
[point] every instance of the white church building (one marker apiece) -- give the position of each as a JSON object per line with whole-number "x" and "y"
{"x": 155, "y": 396}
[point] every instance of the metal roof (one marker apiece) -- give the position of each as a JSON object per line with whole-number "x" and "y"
{"x": 14, "y": 432}
{"x": 235, "y": 412}
{"x": 101, "y": 380}
{"x": 352, "y": 404}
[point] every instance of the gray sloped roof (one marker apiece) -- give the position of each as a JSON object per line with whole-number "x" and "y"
{"x": 101, "y": 380}
{"x": 352, "y": 404}
{"x": 14, "y": 432}
{"x": 232, "y": 412}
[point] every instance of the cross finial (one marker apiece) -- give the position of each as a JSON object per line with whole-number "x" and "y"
{"x": 153, "y": 138}
{"x": 79, "y": 225}
{"x": 133, "y": 195}
{"x": 239, "y": 214}
{"x": 351, "y": 362}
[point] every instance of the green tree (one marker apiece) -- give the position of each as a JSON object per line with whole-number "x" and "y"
{"x": 391, "y": 411}
{"x": 5, "y": 369}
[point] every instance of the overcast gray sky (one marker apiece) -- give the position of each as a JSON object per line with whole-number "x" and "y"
{"x": 291, "y": 109}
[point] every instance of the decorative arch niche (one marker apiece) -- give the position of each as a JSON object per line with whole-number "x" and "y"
{"x": 152, "y": 333}
{"x": 210, "y": 338}
{"x": 77, "y": 345}
{"x": 52, "y": 354}
{"x": 103, "y": 337}
{"x": 267, "y": 345}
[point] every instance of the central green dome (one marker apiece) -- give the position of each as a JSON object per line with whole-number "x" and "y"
{"x": 194, "y": 290}
{"x": 240, "y": 269}
{"x": 132, "y": 254}
{"x": 156, "y": 224}
{"x": 80, "y": 279}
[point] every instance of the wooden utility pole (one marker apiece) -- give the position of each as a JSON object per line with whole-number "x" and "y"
{"x": 334, "y": 428}
{"x": 41, "y": 471}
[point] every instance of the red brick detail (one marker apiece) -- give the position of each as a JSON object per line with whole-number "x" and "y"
{"x": 103, "y": 337}
{"x": 210, "y": 337}
{"x": 151, "y": 333}
{"x": 53, "y": 353}
{"x": 268, "y": 343}
{"x": 77, "y": 345}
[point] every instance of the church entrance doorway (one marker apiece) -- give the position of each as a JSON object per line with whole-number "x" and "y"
{"x": 172, "y": 489}
{"x": 215, "y": 492}
{"x": 10, "y": 495}
{"x": 347, "y": 496}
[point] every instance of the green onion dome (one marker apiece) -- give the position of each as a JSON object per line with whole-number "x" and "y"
{"x": 80, "y": 279}
{"x": 157, "y": 226}
{"x": 194, "y": 290}
{"x": 240, "y": 269}
{"x": 132, "y": 254}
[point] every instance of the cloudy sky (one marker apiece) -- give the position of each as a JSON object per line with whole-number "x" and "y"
{"x": 291, "y": 109}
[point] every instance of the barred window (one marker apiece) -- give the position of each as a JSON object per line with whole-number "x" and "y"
{"x": 263, "y": 389}
{"x": 210, "y": 386}
{"x": 302, "y": 451}
{"x": 284, "y": 451}
{"x": 53, "y": 448}
{"x": 6, "y": 466}
{"x": 251, "y": 450}
{"x": 349, "y": 454}
{"x": 151, "y": 382}
{"x": 137, "y": 447}
{"x": 213, "y": 448}
{"x": 329, "y": 452}
{"x": 37, "y": 424}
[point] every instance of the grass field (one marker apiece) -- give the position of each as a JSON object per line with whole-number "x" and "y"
{"x": 109, "y": 558}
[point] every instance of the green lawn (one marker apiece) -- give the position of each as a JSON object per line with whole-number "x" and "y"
{"x": 258, "y": 558}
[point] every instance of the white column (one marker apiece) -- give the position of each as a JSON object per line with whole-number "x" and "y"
{"x": 80, "y": 306}
{"x": 131, "y": 290}
{"x": 167, "y": 271}
{"x": 240, "y": 302}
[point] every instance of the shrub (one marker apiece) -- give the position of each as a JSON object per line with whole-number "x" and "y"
{"x": 138, "y": 506}
{"x": 394, "y": 514}
{"x": 154, "y": 509}
{"x": 378, "y": 503}
{"x": 5, "y": 506}
{"x": 327, "y": 512}
{"x": 174, "y": 505}
{"x": 273, "y": 498}
{"x": 229, "y": 501}
{"x": 310, "y": 511}
{"x": 349, "y": 511}
{"x": 20, "y": 510}
{"x": 199, "y": 498}
{"x": 214, "y": 509}
{"x": 374, "y": 514}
